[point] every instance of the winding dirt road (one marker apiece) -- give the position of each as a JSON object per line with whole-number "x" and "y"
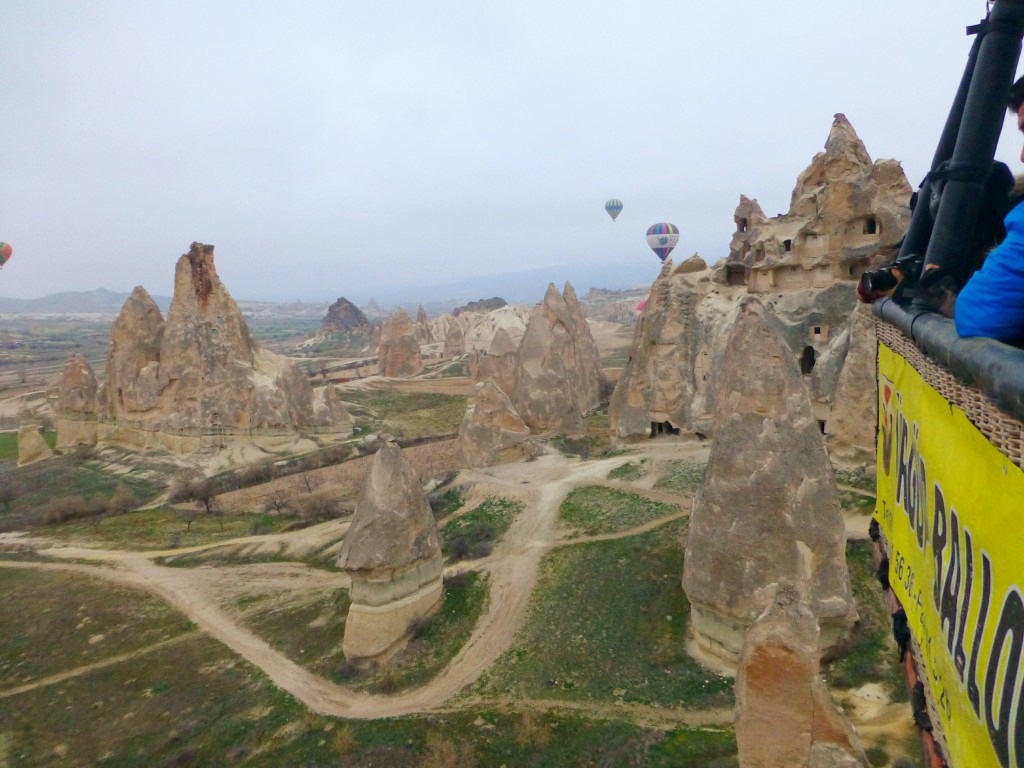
{"x": 512, "y": 570}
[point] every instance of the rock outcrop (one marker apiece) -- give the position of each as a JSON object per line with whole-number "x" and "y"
{"x": 346, "y": 329}
{"x": 482, "y": 306}
{"x": 846, "y": 215}
{"x": 671, "y": 379}
{"x": 186, "y": 382}
{"x": 558, "y": 375}
{"x": 768, "y": 510}
{"x": 73, "y": 402}
{"x": 851, "y": 434}
{"x": 422, "y": 326}
{"x": 497, "y": 363}
{"x": 393, "y": 554}
{"x": 32, "y": 446}
{"x": 480, "y": 330}
{"x": 491, "y": 431}
{"x": 399, "y": 352}
{"x": 784, "y": 714}
{"x": 454, "y": 342}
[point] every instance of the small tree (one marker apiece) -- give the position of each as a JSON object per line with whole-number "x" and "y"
{"x": 311, "y": 481}
{"x": 277, "y": 502}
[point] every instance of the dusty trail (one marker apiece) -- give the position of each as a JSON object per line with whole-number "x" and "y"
{"x": 512, "y": 569}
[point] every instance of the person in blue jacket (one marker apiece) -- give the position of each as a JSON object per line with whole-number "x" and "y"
{"x": 992, "y": 302}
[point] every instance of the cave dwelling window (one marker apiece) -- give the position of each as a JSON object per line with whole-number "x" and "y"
{"x": 870, "y": 225}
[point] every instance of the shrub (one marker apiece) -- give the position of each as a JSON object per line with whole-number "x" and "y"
{"x": 123, "y": 501}
{"x": 66, "y": 508}
{"x": 318, "y": 505}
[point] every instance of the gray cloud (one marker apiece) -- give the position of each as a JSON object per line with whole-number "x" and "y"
{"x": 330, "y": 148}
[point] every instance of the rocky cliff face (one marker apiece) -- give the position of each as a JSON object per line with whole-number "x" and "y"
{"x": 393, "y": 554}
{"x": 784, "y": 714}
{"x": 73, "y": 402}
{"x": 199, "y": 373}
{"x": 497, "y": 363}
{"x": 846, "y": 214}
{"x": 32, "y": 447}
{"x": 768, "y": 510}
{"x": 558, "y": 376}
{"x": 671, "y": 379}
{"x": 491, "y": 432}
{"x": 399, "y": 352}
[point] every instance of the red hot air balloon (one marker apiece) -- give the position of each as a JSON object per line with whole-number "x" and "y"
{"x": 662, "y": 238}
{"x": 5, "y": 253}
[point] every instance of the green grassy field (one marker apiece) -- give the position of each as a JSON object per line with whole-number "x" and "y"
{"x": 468, "y": 534}
{"x": 607, "y": 623}
{"x": 680, "y": 476}
{"x": 408, "y": 414}
{"x": 634, "y": 470}
{"x": 593, "y": 510}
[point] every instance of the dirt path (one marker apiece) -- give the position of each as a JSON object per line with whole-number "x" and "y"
{"x": 512, "y": 568}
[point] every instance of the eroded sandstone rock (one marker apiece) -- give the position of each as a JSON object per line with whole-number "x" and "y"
{"x": 491, "y": 431}
{"x": 393, "y": 554}
{"x": 349, "y": 330}
{"x": 497, "y": 363}
{"x": 32, "y": 446}
{"x": 399, "y": 350}
{"x": 784, "y": 714}
{"x": 73, "y": 402}
{"x": 768, "y": 510}
{"x": 558, "y": 375}
{"x": 454, "y": 342}
{"x": 851, "y": 434}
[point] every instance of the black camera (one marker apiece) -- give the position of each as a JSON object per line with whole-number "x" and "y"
{"x": 886, "y": 280}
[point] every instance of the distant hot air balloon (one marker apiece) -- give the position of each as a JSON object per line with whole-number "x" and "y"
{"x": 5, "y": 253}
{"x": 641, "y": 305}
{"x": 614, "y": 208}
{"x": 662, "y": 238}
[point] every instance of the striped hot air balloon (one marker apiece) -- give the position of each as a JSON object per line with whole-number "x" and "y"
{"x": 662, "y": 238}
{"x": 614, "y": 208}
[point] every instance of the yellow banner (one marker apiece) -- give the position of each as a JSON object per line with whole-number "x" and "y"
{"x": 952, "y": 507}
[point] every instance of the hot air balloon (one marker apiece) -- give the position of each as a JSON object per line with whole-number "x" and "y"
{"x": 5, "y": 253}
{"x": 614, "y": 208}
{"x": 662, "y": 238}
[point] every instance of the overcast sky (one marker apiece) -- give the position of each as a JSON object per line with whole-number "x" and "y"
{"x": 331, "y": 148}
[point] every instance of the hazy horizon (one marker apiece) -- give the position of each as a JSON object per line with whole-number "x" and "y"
{"x": 334, "y": 150}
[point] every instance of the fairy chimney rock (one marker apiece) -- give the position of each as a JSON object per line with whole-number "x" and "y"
{"x": 454, "y": 341}
{"x": 133, "y": 358}
{"x": 558, "y": 375}
{"x": 497, "y": 363}
{"x": 399, "y": 349}
{"x": 393, "y": 555}
{"x": 768, "y": 510}
{"x": 491, "y": 431}
{"x": 32, "y": 447}
{"x": 73, "y": 401}
{"x": 784, "y": 714}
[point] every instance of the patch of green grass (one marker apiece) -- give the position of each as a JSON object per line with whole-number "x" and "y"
{"x": 309, "y": 631}
{"x": 409, "y": 414}
{"x": 864, "y": 479}
{"x": 435, "y": 640}
{"x": 873, "y": 656}
{"x": 447, "y": 503}
{"x": 474, "y": 533}
{"x": 8, "y": 446}
{"x": 592, "y": 510}
{"x": 856, "y": 503}
{"x": 680, "y": 476}
{"x": 169, "y": 528}
{"x": 705, "y": 748}
{"x": 634, "y": 470}
{"x": 55, "y": 621}
{"x": 606, "y": 623}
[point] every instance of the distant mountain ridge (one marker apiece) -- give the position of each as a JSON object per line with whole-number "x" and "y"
{"x": 96, "y": 301}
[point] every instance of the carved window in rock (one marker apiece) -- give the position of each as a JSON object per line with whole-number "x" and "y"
{"x": 742, "y": 225}
{"x": 870, "y": 225}
{"x": 788, "y": 245}
{"x": 662, "y": 428}
{"x": 807, "y": 360}
{"x": 735, "y": 275}
{"x": 819, "y": 332}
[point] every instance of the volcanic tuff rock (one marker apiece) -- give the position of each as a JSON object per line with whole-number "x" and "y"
{"x": 195, "y": 377}
{"x": 558, "y": 375}
{"x": 498, "y": 362}
{"x": 784, "y": 714}
{"x": 853, "y": 418}
{"x": 481, "y": 328}
{"x": 393, "y": 554}
{"x": 482, "y": 306}
{"x": 345, "y": 317}
{"x": 72, "y": 399}
{"x": 491, "y": 431}
{"x": 768, "y": 510}
{"x": 32, "y": 447}
{"x": 454, "y": 342}
{"x": 399, "y": 351}
{"x": 846, "y": 215}
{"x": 422, "y": 326}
